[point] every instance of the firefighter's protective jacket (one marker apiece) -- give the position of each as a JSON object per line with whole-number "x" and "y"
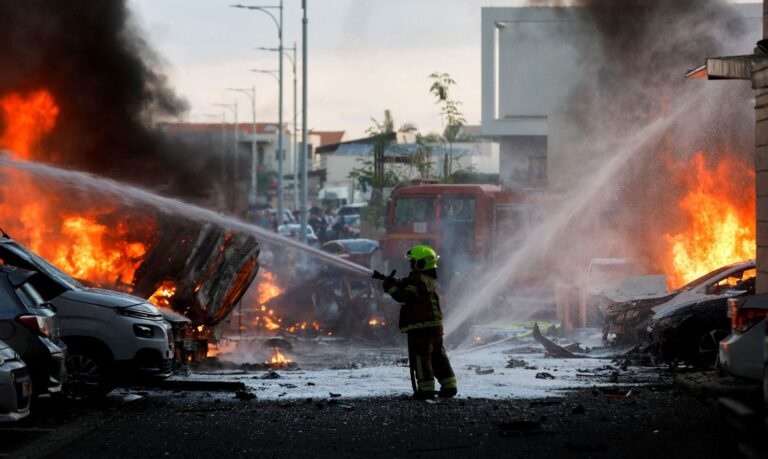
{"x": 420, "y": 303}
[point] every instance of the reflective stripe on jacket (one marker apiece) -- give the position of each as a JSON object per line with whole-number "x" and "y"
{"x": 420, "y": 302}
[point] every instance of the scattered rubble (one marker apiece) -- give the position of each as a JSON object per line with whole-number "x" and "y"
{"x": 244, "y": 395}
{"x": 515, "y": 363}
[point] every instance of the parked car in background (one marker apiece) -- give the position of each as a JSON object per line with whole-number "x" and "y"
{"x": 364, "y": 252}
{"x": 30, "y": 327}
{"x": 15, "y": 385}
{"x": 628, "y": 321}
{"x": 111, "y": 337}
{"x": 293, "y": 231}
{"x": 352, "y": 209}
{"x": 346, "y": 227}
{"x": 742, "y": 352}
{"x": 288, "y": 217}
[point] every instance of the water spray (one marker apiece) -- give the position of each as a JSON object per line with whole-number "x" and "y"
{"x": 133, "y": 195}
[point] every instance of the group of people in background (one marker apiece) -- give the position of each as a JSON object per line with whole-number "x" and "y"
{"x": 326, "y": 223}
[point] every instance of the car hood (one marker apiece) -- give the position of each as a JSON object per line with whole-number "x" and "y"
{"x": 637, "y": 288}
{"x": 686, "y": 298}
{"x": 101, "y": 297}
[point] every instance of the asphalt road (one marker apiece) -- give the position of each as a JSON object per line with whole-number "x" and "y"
{"x": 601, "y": 422}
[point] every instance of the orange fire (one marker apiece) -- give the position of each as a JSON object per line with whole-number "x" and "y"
{"x": 164, "y": 293}
{"x": 721, "y": 214}
{"x": 267, "y": 287}
{"x": 278, "y": 359}
{"x": 89, "y": 241}
{"x": 377, "y": 322}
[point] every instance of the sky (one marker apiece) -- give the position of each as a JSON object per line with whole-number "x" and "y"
{"x": 365, "y": 56}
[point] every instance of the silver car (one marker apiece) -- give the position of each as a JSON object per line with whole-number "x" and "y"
{"x": 15, "y": 385}
{"x": 112, "y": 337}
{"x": 741, "y": 353}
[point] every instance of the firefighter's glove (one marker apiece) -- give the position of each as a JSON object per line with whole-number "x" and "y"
{"x": 388, "y": 283}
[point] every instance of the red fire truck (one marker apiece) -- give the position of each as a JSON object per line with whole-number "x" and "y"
{"x": 466, "y": 224}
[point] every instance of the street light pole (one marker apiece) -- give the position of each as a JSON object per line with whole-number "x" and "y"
{"x": 280, "y": 203}
{"x": 295, "y": 147}
{"x": 253, "y": 189}
{"x": 304, "y": 148}
{"x": 233, "y": 108}
{"x": 279, "y": 24}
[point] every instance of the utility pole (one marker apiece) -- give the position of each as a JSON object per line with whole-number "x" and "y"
{"x": 295, "y": 147}
{"x": 253, "y": 190}
{"x": 280, "y": 153}
{"x": 279, "y": 24}
{"x": 304, "y": 148}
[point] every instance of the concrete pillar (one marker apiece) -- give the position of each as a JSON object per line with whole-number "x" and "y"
{"x": 760, "y": 84}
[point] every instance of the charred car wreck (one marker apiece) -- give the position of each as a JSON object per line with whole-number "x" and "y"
{"x": 683, "y": 325}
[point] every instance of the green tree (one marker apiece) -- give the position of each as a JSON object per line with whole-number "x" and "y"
{"x": 366, "y": 174}
{"x": 450, "y": 113}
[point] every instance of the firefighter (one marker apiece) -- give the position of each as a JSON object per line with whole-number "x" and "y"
{"x": 422, "y": 320}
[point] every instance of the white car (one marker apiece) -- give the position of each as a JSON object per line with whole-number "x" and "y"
{"x": 15, "y": 385}
{"x": 293, "y": 230}
{"x": 111, "y": 337}
{"x": 742, "y": 352}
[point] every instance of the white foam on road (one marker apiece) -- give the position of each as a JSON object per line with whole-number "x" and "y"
{"x": 393, "y": 380}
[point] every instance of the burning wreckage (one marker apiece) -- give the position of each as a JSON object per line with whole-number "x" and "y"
{"x": 682, "y": 325}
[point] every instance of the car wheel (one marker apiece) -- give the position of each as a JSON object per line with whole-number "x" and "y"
{"x": 88, "y": 375}
{"x": 709, "y": 348}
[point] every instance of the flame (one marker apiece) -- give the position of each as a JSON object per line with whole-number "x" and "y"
{"x": 164, "y": 293}
{"x": 376, "y": 321}
{"x": 267, "y": 288}
{"x": 27, "y": 119}
{"x": 721, "y": 214}
{"x": 91, "y": 242}
{"x": 278, "y": 359}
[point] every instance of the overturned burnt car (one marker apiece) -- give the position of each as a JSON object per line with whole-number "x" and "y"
{"x": 688, "y": 310}
{"x": 199, "y": 271}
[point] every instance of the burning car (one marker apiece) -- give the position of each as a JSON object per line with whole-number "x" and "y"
{"x": 627, "y": 321}
{"x": 364, "y": 252}
{"x": 692, "y": 332}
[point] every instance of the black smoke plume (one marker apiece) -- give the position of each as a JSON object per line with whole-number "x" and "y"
{"x": 104, "y": 78}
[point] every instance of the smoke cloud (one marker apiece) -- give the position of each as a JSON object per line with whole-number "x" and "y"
{"x": 104, "y": 78}
{"x": 633, "y": 119}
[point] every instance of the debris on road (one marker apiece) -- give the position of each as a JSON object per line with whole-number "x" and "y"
{"x": 244, "y": 395}
{"x": 553, "y": 349}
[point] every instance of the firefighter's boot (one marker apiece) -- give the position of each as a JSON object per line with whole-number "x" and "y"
{"x": 448, "y": 388}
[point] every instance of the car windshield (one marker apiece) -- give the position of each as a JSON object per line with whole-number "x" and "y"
{"x": 699, "y": 281}
{"x": 413, "y": 210}
{"x": 32, "y": 261}
{"x": 360, "y": 246}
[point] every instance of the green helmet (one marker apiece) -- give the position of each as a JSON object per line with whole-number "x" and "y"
{"x": 423, "y": 256}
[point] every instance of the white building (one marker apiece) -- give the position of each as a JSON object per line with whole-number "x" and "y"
{"x": 339, "y": 160}
{"x": 532, "y": 58}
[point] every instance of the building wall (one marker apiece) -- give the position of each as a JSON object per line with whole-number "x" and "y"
{"x": 531, "y": 61}
{"x": 760, "y": 84}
